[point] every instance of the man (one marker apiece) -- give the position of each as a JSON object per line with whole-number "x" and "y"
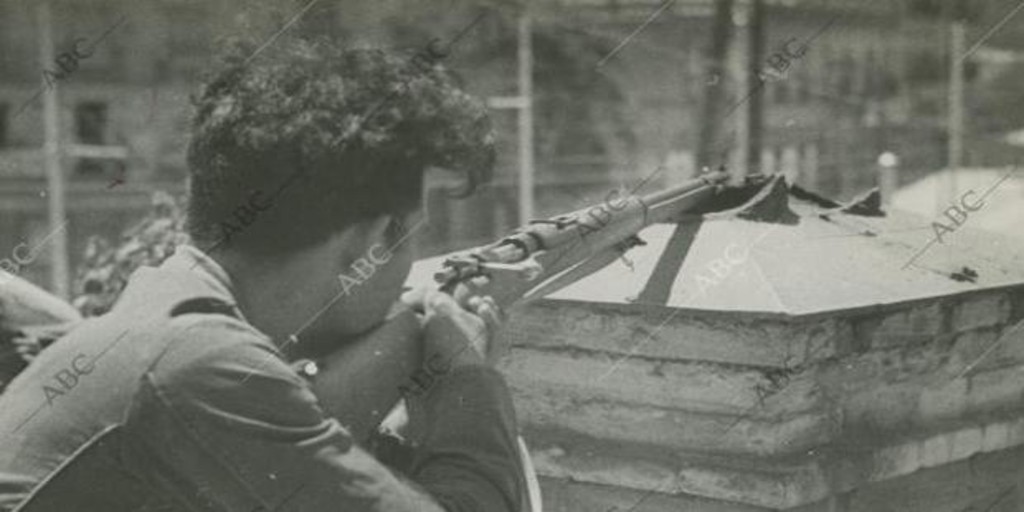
{"x": 303, "y": 162}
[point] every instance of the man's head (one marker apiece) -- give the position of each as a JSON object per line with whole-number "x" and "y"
{"x": 331, "y": 145}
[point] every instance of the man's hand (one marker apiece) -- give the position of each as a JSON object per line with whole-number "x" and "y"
{"x": 453, "y": 337}
{"x": 459, "y": 335}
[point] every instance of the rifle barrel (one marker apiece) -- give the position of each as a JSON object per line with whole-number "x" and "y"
{"x": 664, "y": 204}
{"x": 565, "y": 232}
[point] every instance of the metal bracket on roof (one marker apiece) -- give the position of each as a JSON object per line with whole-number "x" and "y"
{"x": 770, "y": 204}
{"x": 867, "y": 205}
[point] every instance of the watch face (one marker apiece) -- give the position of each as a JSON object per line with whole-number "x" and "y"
{"x": 307, "y": 367}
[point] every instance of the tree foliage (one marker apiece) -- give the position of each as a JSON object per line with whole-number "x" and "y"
{"x": 107, "y": 265}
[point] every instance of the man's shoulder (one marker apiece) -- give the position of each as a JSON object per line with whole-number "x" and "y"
{"x": 218, "y": 367}
{"x": 184, "y": 317}
{"x": 203, "y": 333}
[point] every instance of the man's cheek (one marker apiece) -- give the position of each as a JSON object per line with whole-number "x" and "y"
{"x": 400, "y": 266}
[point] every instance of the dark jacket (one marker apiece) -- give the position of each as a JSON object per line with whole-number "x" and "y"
{"x": 172, "y": 401}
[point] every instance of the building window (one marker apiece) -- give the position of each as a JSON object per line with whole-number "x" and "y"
{"x": 847, "y": 75}
{"x": 926, "y": 8}
{"x": 926, "y": 67}
{"x": 91, "y": 128}
{"x": 859, "y": 80}
{"x": 871, "y": 72}
{"x": 4, "y": 123}
{"x": 889, "y": 84}
{"x": 91, "y": 122}
{"x": 831, "y": 68}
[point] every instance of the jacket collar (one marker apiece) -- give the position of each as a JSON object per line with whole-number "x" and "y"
{"x": 188, "y": 274}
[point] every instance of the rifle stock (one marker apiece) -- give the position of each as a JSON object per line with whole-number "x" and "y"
{"x": 359, "y": 383}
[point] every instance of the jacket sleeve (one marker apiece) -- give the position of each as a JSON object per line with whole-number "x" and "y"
{"x": 470, "y": 443}
{"x": 222, "y": 423}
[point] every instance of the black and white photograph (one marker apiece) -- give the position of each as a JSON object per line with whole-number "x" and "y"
{"x": 511, "y": 255}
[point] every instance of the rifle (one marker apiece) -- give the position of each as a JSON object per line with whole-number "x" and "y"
{"x": 359, "y": 383}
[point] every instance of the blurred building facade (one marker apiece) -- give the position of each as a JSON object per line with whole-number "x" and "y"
{"x": 604, "y": 115}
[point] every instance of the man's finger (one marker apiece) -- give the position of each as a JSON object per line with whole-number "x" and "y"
{"x": 415, "y": 298}
{"x": 492, "y": 319}
{"x": 470, "y": 288}
{"x": 441, "y": 303}
{"x": 498, "y": 309}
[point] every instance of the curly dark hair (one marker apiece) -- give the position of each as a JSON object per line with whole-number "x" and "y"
{"x": 328, "y": 136}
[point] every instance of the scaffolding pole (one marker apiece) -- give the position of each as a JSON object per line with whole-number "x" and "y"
{"x": 526, "y": 164}
{"x": 956, "y": 108}
{"x": 58, "y": 245}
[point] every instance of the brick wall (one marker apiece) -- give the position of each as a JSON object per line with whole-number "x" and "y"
{"x": 837, "y": 411}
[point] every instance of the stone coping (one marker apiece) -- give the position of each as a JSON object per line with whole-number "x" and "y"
{"x": 781, "y": 482}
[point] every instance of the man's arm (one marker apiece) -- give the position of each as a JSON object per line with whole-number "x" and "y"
{"x": 222, "y": 423}
{"x": 469, "y": 442}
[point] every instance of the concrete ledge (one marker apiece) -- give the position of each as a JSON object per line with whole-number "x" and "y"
{"x": 989, "y": 482}
{"x": 981, "y": 311}
{"x": 674, "y": 429}
{"x": 673, "y": 335}
{"x": 769, "y": 411}
{"x": 769, "y": 482}
{"x": 690, "y": 386}
{"x": 567, "y": 495}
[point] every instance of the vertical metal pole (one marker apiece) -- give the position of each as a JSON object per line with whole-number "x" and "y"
{"x": 715, "y": 80}
{"x": 51, "y": 159}
{"x": 755, "y": 105}
{"x": 526, "y": 165}
{"x": 956, "y": 107}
